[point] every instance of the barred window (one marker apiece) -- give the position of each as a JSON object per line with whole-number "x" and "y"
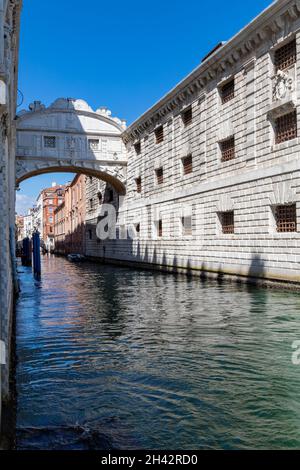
{"x": 187, "y": 163}
{"x": 93, "y": 144}
{"x": 286, "y": 56}
{"x": 159, "y": 228}
{"x": 159, "y": 175}
{"x": 227, "y": 222}
{"x": 187, "y": 225}
{"x": 138, "y": 148}
{"x": 123, "y": 232}
{"x": 138, "y": 182}
{"x": 187, "y": 116}
{"x": 286, "y": 127}
{"x": 228, "y": 149}
{"x": 49, "y": 142}
{"x": 286, "y": 218}
{"x": 159, "y": 134}
{"x": 228, "y": 91}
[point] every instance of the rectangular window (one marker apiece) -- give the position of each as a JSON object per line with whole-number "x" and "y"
{"x": 228, "y": 149}
{"x": 123, "y": 232}
{"x": 227, "y": 222}
{"x": 91, "y": 203}
{"x": 187, "y": 116}
{"x": 159, "y": 175}
{"x": 94, "y": 144}
{"x": 110, "y": 196}
{"x": 286, "y": 127}
{"x": 159, "y": 228}
{"x": 138, "y": 183}
{"x": 227, "y": 91}
{"x": 286, "y": 218}
{"x": 49, "y": 142}
{"x": 159, "y": 134}
{"x": 286, "y": 56}
{"x": 187, "y": 163}
{"x": 138, "y": 148}
{"x": 90, "y": 235}
{"x": 187, "y": 226}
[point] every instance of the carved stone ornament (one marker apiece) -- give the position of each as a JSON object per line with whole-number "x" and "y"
{"x": 3, "y": 126}
{"x": 283, "y": 85}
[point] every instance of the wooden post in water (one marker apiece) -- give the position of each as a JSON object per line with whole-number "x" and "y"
{"x": 36, "y": 254}
{"x": 26, "y": 255}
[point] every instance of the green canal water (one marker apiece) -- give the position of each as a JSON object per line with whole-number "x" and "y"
{"x": 113, "y": 358}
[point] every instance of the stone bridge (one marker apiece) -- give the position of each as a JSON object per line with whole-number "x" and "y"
{"x": 69, "y": 136}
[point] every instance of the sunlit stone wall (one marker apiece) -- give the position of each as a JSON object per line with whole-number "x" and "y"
{"x": 181, "y": 219}
{"x": 9, "y": 36}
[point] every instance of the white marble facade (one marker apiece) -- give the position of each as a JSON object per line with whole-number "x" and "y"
{"x": 9, "y": 44}
{"x": 261, "y": 179}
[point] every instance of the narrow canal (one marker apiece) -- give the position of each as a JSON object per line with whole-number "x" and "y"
{"x": 113, "y": 358}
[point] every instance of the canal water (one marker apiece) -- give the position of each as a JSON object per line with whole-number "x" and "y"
{"x": 114, "y": 358}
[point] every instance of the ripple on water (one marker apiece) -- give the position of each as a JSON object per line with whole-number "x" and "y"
{"x": 115, "y": 358}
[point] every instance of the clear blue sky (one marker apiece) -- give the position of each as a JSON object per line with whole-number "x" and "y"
{"x": 121, "y": 54}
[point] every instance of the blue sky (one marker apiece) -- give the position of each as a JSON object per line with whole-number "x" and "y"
{"x": 121, "y": 54}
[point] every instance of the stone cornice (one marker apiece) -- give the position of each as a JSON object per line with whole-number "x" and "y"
{"x": 28, "y": 114}
{"x": 232, "y": 53}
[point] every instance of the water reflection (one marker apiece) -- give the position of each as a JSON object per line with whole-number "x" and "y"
{"x": 115, "y": 358}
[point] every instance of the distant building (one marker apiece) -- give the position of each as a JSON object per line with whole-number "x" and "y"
{"x": 20, "y": 228}
{"x": 69, "y": 227}
{"x": 43, "y": 218}
{"x": 28, "y": 223}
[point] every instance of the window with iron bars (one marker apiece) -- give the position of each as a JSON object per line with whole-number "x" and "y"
{"x": 159, "y": 134}
{"x": 94, "y": 144}
{"x": 187, "y": 163}
{"x": 286, "y": 56}
{"x": 138, "y": 148}
{"x": 187, "y": 116}
{"x": 227, "y": 149}
{"x": 49, "y": 142}
{"x": 286, "y": 127}
{"x": 159, "y": 175}
{"x": 228, "y": 91}
{"x": 159, "y": 228}
{"x": 227, "y": 222}
{"x": 186, "y": 222}
{"x": 286, "y": 218}
{"x": 138, "y": 182}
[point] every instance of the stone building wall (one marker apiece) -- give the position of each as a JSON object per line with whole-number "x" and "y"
{"x": 9, "y": 37}
{"x": 253, "y": 187}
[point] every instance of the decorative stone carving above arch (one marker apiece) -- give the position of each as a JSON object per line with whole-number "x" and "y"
{"x": 70, "y": 124}
{"x": 283, "y": 193}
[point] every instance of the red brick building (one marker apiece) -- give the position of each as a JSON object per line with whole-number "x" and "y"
{"x": 69, "y": 228}
{"x": 51, "y": 199}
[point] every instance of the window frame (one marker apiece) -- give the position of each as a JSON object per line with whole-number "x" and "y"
{"x": 227, "y": 91}
{"x": 159, "y": 134}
